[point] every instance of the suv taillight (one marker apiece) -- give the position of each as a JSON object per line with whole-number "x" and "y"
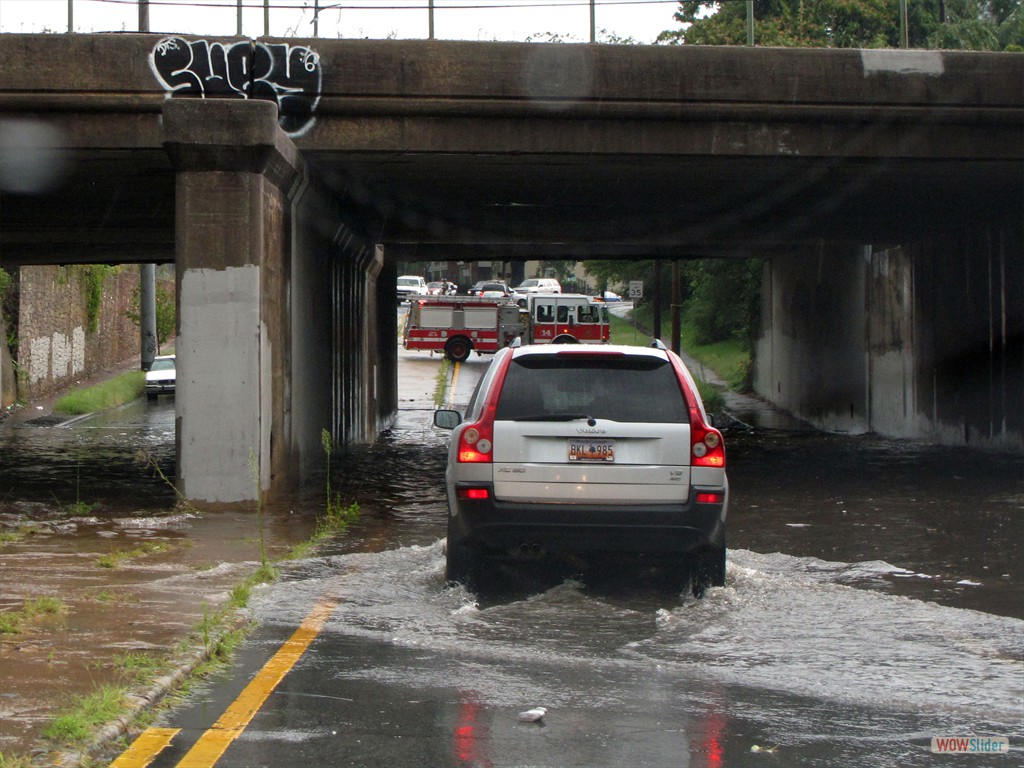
{"x": 706, "y": 446}
{"x": 475, "y": 440}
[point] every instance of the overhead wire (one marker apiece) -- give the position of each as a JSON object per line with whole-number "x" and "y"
{"x": 300, "y": 5}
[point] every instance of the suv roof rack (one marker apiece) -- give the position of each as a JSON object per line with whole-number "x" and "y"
{"x": 658, "y": 344}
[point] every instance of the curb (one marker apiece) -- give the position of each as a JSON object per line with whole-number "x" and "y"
{"x": 184, "y": 665}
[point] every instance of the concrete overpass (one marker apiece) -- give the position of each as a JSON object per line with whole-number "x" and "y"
{"x": 287, "y": 177}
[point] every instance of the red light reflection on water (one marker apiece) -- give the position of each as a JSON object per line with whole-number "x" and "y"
{"x": 711, "y": 740}
{"x": 469, "y": 748}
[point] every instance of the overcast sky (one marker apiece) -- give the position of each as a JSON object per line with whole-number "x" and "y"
{"x": 453, "y": 19}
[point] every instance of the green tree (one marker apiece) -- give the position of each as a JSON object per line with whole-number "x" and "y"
{"x": 990, "y": 25}
{"x": 724, "y": 299}
{"x": 165, "y": 314}
{"x": 721, "y": 297}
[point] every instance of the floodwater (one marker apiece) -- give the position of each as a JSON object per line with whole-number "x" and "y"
{"x": 874, "y": 598}
{"x": 849, "y": 631}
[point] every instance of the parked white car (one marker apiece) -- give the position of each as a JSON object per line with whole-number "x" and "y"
{"x": 161, "y": 377}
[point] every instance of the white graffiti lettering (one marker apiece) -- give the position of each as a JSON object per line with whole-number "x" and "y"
{"x": 290, "y": 76}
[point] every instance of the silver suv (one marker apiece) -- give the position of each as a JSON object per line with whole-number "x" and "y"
{"x": 584, "y": 453}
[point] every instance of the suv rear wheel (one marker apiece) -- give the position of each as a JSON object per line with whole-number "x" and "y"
{"x": 707, "y": 569}
{"x": 461, "y": 562}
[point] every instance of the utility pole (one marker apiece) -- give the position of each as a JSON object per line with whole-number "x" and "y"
{"x": 71, "y": 15}
{"x": 656, "y": 308}
{"x": 593, "y": 21}
{"x": 676, "y": 301}
{"x": 147, "y": 272}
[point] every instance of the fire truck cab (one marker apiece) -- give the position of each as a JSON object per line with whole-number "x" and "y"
{"x": 571, "y": 318}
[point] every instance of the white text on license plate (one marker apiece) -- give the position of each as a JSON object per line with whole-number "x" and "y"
{"x": 591, "y": 450}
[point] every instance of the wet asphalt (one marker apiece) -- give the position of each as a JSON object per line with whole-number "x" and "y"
{"x": 161, "y": 599}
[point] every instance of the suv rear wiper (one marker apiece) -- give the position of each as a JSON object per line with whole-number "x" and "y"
{"x": 554, "y": 417}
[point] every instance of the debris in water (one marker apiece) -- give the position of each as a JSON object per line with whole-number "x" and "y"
{"x": 532, "y": 715}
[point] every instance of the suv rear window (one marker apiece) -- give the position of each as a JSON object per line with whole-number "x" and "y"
{"x": 620, "y": 388}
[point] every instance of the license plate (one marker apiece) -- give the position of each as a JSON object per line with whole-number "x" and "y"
{"x": 591, "y": 450}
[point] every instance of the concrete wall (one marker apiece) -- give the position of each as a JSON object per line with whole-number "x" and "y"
{"x": 923, "y": 340}
{"x": 334, "y": 316}
{"x": 8, "y": 378}
{"x": 57, "y": 344}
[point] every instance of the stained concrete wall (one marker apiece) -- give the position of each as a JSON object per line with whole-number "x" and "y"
{"x": 277, "y": 308}
{"x": 922, "y": 340}
{"x": 336, "y": 374}
{"x": 57, "y": 343}
{"x": 236, "y": 176}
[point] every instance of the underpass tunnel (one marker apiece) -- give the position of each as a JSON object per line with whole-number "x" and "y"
{"x": 887, "y": 208}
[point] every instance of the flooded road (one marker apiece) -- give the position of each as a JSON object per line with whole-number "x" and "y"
{"x": 803, "y": 658}
{"x": 874, "y": 599}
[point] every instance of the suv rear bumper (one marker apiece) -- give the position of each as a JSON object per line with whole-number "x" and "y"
{"x": 662, "y": 529}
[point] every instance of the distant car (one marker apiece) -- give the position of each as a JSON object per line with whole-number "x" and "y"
{"x": 610, "y": 296}
{"x": 410, "y": 285}
{"x": 161, "y": 377}
{"x": 435, "y": 288}
{"x": 490, "y": 289}
{"x": 535, "y": 285}
{"x": 583, "y": 454}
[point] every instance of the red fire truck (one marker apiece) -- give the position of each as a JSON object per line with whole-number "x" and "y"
{"x": 458, "y": 325}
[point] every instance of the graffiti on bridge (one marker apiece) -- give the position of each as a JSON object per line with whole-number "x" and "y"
{"x": 285, "y": 74}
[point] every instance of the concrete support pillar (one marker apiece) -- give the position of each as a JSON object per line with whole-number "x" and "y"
{"x": 236, "y": 175}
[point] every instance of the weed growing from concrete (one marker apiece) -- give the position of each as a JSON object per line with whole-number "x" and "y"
{"x": 441, "y": 383}
{"x": 139, "y": 667}
{"x": 145, "y": 457}
{"x": 44, "y": 606}
{"x": 116, "y": 558}
{"x": 254, "y": 471}
{"x": 11, "y": 622}
{"x": 32, "y": 610}
{"x": 86, "y": 713}
{"x": 12, "y": 537}
{"x": 339, "y": 513}
{"x": 15, "y": 761}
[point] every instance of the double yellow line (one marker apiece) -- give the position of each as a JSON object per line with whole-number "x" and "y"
{"x": 213, "y": 743}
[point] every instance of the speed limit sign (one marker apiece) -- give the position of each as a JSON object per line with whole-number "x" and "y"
{"x": 636, "y": 289}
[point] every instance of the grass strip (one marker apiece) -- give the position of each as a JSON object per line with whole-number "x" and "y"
{"x": 110, "y": 394}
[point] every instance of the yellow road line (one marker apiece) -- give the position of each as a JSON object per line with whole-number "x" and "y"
{"x": 150, "y": 743}
{"x": 213, "y": 743}
{"x": 451, "y": 389}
